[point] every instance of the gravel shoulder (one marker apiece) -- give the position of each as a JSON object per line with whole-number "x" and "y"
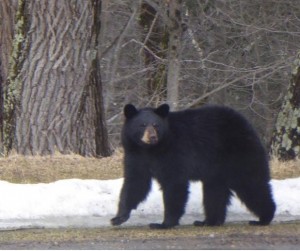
{"x": 230, "y": 236}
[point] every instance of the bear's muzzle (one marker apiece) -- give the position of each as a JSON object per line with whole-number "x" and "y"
{"x": 150, "y": 136}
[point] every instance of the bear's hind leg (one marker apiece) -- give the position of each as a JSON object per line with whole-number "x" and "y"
{"x": 216, "y": 197}
{"x": 258, "y": 199}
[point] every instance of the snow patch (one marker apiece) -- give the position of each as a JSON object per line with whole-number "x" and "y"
{"x": 91, "y": 203}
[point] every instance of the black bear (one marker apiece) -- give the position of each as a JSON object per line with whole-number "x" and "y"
{"x": 213, "y": 144}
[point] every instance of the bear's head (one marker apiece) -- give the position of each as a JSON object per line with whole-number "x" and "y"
{"x": 145, "y": 127}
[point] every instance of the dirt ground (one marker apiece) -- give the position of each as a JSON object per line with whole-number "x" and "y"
{"x": 230, "y": 236}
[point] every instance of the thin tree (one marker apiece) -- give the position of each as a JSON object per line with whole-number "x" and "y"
{"x": 162, "y": 26}
{"x": 174, "y": 51}
{"x": 155, "y": 46}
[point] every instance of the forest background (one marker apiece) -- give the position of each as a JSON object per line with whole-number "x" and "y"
{"x": 67, "y": 67}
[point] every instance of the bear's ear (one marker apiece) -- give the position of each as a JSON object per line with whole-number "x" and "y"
{"x": 130, "y": 111}
{"x": 163, "y": 110}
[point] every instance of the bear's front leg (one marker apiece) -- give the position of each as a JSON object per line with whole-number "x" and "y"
{"x": 119, "y": 219}
{"x": 124, "y": 207}
{"x": 134, "y": 190}
{"x": 175, "y": 196}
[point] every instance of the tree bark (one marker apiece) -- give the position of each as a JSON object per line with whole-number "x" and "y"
{"x": 286, "y": 138}
{"x": 60, "y": 106}
{"x": 8, "y": 9}
{"x": 11, "y": 85}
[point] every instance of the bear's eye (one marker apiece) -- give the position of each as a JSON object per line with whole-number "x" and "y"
{"x": 143, "y": 125}
{"x": 155, "y": 125}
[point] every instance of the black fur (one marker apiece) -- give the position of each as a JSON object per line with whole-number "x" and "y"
{"x": 213, "y": 144}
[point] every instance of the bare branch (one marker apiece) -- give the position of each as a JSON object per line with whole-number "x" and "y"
{"x": 221, "y": 87}
{"x": 149, "y": 33}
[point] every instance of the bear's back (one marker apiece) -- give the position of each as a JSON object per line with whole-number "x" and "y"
{"x": 214, "y": 131}
{"x": 210, "y": 120}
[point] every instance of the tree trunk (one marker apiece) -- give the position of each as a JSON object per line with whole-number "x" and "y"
{"x": 12, "y": 85}
{"x": 286, "y": 138}
{"x": 58, "y": 104}
{"x": 155, "y": 38}
{"x": 102, "y": 147}
{"x": 175, "y": 36}
{"x": 7, "y": 13}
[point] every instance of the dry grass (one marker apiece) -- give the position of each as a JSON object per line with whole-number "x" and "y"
{"x": 44, "y": 169}
{"x": 29, "y": 169}
{"x": 284, "y": 170}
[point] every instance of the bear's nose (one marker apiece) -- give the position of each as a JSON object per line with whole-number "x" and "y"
{"x": 150, "y": 135}
{"x": 153, "y": 139}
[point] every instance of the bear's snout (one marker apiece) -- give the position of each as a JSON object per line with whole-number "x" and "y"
{"x": 150, "y": 135}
